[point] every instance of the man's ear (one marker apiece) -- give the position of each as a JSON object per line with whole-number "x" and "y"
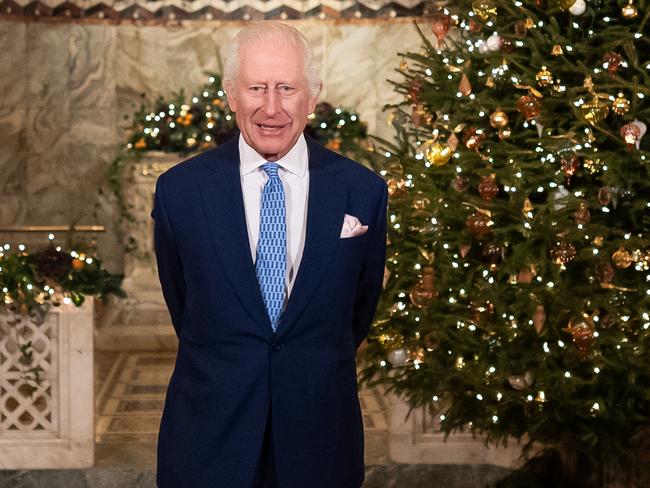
{"x": 230, "y": 95}
{"x": 314, "y": 99}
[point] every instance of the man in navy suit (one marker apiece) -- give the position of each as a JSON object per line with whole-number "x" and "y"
{"x": 270, "y": 252}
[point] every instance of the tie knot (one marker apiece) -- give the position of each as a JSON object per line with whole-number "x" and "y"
{"x": 271, "y": 169}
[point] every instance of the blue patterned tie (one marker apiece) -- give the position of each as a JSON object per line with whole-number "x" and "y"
{"x": 271, "y": 258}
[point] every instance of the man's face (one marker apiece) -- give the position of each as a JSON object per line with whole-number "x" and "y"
{"x": 270, "y": 96}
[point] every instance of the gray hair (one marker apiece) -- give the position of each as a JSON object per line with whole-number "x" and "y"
{"x": 271, "y": 29}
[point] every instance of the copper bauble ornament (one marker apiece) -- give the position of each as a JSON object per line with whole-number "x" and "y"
{"x": 504, "y": 133}
{"x": 594, "y": 111}
{"x": 484, "y": 9}
{"x": 613, "y": 60}
{"x": 498, "y": 119}
{"x": 464, "y": 86}
{"x": 582, "y": 332}
{"x": 529, "y": 107}
{"x": 604, "y": 196}
{"x": 620, "y": 105}
{"x": 464, "y": 249}
{"x": 569, "y": 164}
{"x": 488, "y": 187}
{"x": 630, "y": 134}
{"x": 544, "y": 77}
{"x": 563, "y": 252}
{"x": 396, "y": 188}
{"x": 424, "y": 292}
{"x": 539, "y": 318}
{"x": 622, "y": 258}
{"x": 604, "y": 272}
{"x": 629, "y": 11}
{"x": 582, "y": 215}
{"x": 479, "y": 224}
{"x": 474, "y": 138}
{"x": 526, "y": 275}
{"x": 77, "y": 264}
{"x": 440, "y": 24}
{"x": 474, "y": 27}
{"x": 436, "y": 153}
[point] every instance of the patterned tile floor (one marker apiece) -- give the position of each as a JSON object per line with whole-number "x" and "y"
{"x": 131, "y": 389}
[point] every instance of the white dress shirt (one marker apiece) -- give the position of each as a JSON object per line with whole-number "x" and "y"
{"x": 294, "y": 173}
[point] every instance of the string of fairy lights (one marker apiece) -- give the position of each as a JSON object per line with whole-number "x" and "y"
{"x": 404, "y": 343}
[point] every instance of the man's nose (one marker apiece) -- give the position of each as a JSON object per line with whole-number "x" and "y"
{"x": 271, "y": 102}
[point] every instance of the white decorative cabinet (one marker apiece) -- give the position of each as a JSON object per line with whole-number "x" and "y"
{"x": 54, "y": 426}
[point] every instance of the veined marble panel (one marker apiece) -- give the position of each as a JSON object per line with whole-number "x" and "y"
{"x": 92, "y": 66}
{"x": 46, "y": 59}
{"x": 13, "y": 76}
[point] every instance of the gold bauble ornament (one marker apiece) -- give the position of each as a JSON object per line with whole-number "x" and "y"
{"x": 396, "y": 188}
{"x": 498, "y": 119}
{"x": 484, "y": 9}
{"x": 403, "y": 65}
{"x": 557, "y": 50}
{"x": 391, "y": 340}
{"x": 621, "y": 105}
{"x": 421, "y": 201}
{"x": 594, "y": 111}
{"x": 141, "y": 143}
{"x": 564, "y": 4}
{"x": 629, "y": 11}
{"x": 77, "y": 264}
{"x": 436, "y": 153}
{"x": 563, "y": 252}
{"x": 544, "y": 77}
{"x": 622, "y": 258}
{"x": 593, "y": 165}
{"x": 489, "y": 82}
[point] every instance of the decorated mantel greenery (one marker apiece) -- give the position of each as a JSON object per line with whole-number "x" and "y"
{"x": 31, "y": 283}
{"x": 185, "y": 126}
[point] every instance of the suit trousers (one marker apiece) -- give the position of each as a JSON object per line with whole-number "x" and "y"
{"x": 265, "y": 476}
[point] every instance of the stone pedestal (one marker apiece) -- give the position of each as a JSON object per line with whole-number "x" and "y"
{"x": 53, "y": 426}
{"x": 418, "y": 440}
{"x": 142, "y": 320}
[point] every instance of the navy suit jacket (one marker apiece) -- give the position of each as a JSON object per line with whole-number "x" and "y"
{"x": 231, "y": 369}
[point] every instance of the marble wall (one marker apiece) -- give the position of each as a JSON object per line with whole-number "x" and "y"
{"x": 66, "y": 88}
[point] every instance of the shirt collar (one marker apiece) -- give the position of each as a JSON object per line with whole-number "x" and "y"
{"x": 294, "y": 161}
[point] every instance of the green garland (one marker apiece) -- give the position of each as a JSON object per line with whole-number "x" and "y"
{"x": 185, "y": 127}
{"x": 32, "y": 283}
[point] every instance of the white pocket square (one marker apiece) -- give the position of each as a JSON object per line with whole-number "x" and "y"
{"x": 352, "y": 227}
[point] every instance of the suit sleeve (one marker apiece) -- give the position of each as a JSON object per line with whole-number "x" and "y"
{"x": 170, "y": 270}
{"x": 372, "y": 274}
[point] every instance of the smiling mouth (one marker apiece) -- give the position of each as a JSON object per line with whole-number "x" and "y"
{"x": 271, "y": 128}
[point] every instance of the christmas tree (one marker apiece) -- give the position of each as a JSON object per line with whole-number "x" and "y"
{"x": 517, "y": 290}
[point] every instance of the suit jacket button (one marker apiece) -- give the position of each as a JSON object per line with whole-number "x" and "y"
{"x": 278, "y": 347}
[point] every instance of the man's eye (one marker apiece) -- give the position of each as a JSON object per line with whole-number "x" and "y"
{"x": 285, "y": 88}
{"x": 256, "y": 88}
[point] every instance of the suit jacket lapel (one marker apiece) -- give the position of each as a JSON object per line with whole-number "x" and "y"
{"x": 327, "y": 202}
{"x": 223, "y": 204}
